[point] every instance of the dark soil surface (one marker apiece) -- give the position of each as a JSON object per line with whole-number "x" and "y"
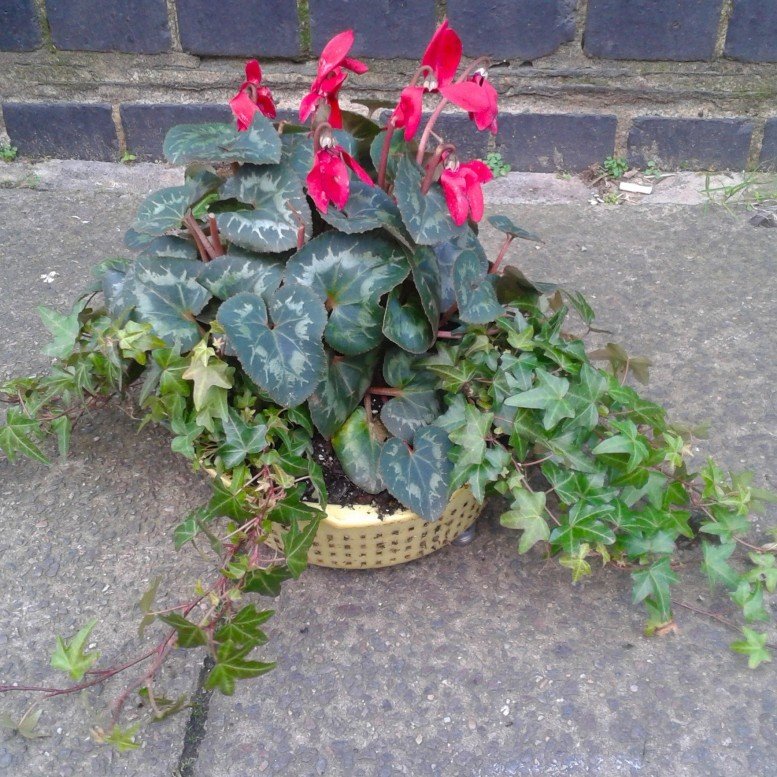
{"x": 341, "y": 490}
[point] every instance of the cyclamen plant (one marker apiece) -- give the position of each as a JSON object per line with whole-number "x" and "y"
{"x": 303, "y": 275}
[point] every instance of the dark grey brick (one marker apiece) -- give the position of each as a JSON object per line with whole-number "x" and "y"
{"x": 19, "y": 26}
{"x": 769, "y": 147}
{"x": 138, "y": 26}
{"x": 692, "y": 144}
{"x": 679, "y": 30}
{"x": 545, "y": 142}
{"x": 242, "y": 28}
{"x": 62, "y": 130}
{"x": 145, "y": 125}
{"x": 525, "y": 29}
{"x": 383, "y": 28}
{"x": 752, "y": 31}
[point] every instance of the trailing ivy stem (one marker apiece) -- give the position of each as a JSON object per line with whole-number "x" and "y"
{"x": 433, "y": 164}
{"x": 384, "y": 153}
{"x": 502, "y": 253}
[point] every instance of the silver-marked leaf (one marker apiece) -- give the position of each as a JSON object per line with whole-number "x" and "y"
{"x": 419, "y": 477}
{"x": 355, "y": 329}
{"x": 358, "y": 444}
{"x": 170, "y": 247}
{"x": 259, "y": 144}
{"x": 229, "y": 275}
{"x": 504, "y": 224}
{"x": 348, "y": 269}
{"x": 166, "y": 294}
{"x": 297, "y": 151}
{"x": 475, "y": 292}
{"x": 401, "y": 368}
{"x": 447, "y": 254}
{"x": 368, "y": 207}
{"x": 426, "y": 277}
{"x": 426, "y": 216}
{"x": 201, "y": 180}
{"x": 406, "y": 324}
{"x": 280, "y": 209}
{"x": 340, "y": 391}
{"x": 286, "y": 359}
{"x": 418, "y": 406}
{"x": 137, "y": 240}
{"x": 162, "y": 210}
{"x": 117, "y": 301}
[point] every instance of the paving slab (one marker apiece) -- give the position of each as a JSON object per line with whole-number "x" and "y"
{"x": 473, "y": 661}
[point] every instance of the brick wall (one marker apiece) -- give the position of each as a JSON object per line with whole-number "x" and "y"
{"x": 686, "y": 83}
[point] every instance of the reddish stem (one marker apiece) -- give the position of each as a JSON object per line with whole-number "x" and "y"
{"x": 433, "y": 163}
{"x": 443, "y": 335}
{"x": 419, "y": 157}
{"x": 385, "y": 391}
{"x": 203, "y": 244}
{"x": 502, "y": 253}
{"x": 215, "y": 239}
{"x": 384, "y": 154}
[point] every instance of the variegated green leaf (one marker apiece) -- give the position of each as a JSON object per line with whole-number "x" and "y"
{"x": 358, "y": 444}
{"x": 416, "y": 407}
{"x": 117, "y": 298}
{"x": 426, "y": 276}
{"x": 368, "y": 207}
{"x": 419, "y": 477}
{"x": 280, "y": 209}
{"x": 406, "y": 324}
{"x": 340, "y": 391}
{"x": 399, "y": 149}
{"x": 170, "y": 247}
{"x": 447, "y": 254}
{"x": 259, "y": 144}
{"x": 162, "y": 210}
{"x": 229, "y": 275}
{"x": 283, "y": 354}
{"x": 297, "y": 151}
{"x": 166, "y": 294}
{"x": 504, "y": 224}
{"x": 426, "y": 216}
{"x": 475, "y": 292}
{"x": 137, "y": 240}
{"x": 355, "y": 329}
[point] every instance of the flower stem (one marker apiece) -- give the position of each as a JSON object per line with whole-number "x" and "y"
{"x": 502, "y": 253}
{"x": 419, "y": 157}
{"x": 432, "y": 165}
{"x": 384, "y": 154}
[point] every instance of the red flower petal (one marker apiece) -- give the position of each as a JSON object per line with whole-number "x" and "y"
{"x": 308, "y": 105}
{"x": 454, "y": 188}
{"x": 253, "y": 72}
{"x": 481, "y": 170}
{"x": 443, "y": 54}
{"x": 328, "y": 181}
{"x": 335, "y": 114}
{"x": 363, "y": 175}
{"x": 407, "y": 114}
{"x": 334, "y": 53}
{"x": 265, "y": 102}
{"x": 467, "y": 95}
{"x": 244, "y": 109}
{"x": 355, "y": 65}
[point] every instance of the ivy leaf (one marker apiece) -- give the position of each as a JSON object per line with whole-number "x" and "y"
{"x": 585, "y": 393}
{"x": 120, "y": 738}
{"x": 70, "y": 656}
{"x": 15, "y": 436}
{"x": 207, "y": 372}
{"x": 583, "y": 526}
{"x": 266, "y": 582}
{"x": 243, "y": 440}
{"x": 765, "y": 569}
{"x": 296, "y": 544}
{"x": 62, "y": 427}
{"x": 653, "y": 584}
{"x": 231, "y": 665}
{"x": 471, "y": 437}
{"x": 549, "y": 395}
{"x": 526, "y": 515}
{"x": 753, "y": 646}
{"x": 751, "y": 600}
{"x": 229, "y": 500}
{"x": 63, "y": 328}
{"x": 243, "y": 627}
{"x": 186, "y": 431}
{"x": 716, "y": 564}
{"x": 188, "y": 634}
{"x": 629, "y": 441}
{"x": 358, "y": 444}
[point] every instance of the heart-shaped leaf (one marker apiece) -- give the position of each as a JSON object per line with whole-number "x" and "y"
{"x": 368, "y": 207}
{"x": 280, "y": 208}
{"x": 406, "y": 324}
{"x": 162, "y": 210}
{"x": 475, "y": 292}
{"x": 416, "y": 407}
{"x": 170, "y": 247}
{"x": 229, "y": 275}
{"x": 419, "y": 477}
{"x": 426, "y": 216}
{"x": 358, "y": 444}
{"x": 426, "y": 277}
{"x": 340, "y": 391}
{"x": 447, "y": 254}
{"x": 259, "y": 144}
{"x": 504, "y": 224}
{"x": 166, "y": 294}
{"x": 297, "y": 151}
{"x": 284, "y": 355}
{"x": 355, "y": 329}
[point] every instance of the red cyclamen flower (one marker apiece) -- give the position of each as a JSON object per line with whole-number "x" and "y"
{"x": 330, "y": 76}
{"x": 442, "y": 55}
{"x": 407, "y": 114}
{"x": 461, "y": 186}
{"x": 328, "y": 180}
{"x": 252, "y": 98}
{"x": 485, "y": 118}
